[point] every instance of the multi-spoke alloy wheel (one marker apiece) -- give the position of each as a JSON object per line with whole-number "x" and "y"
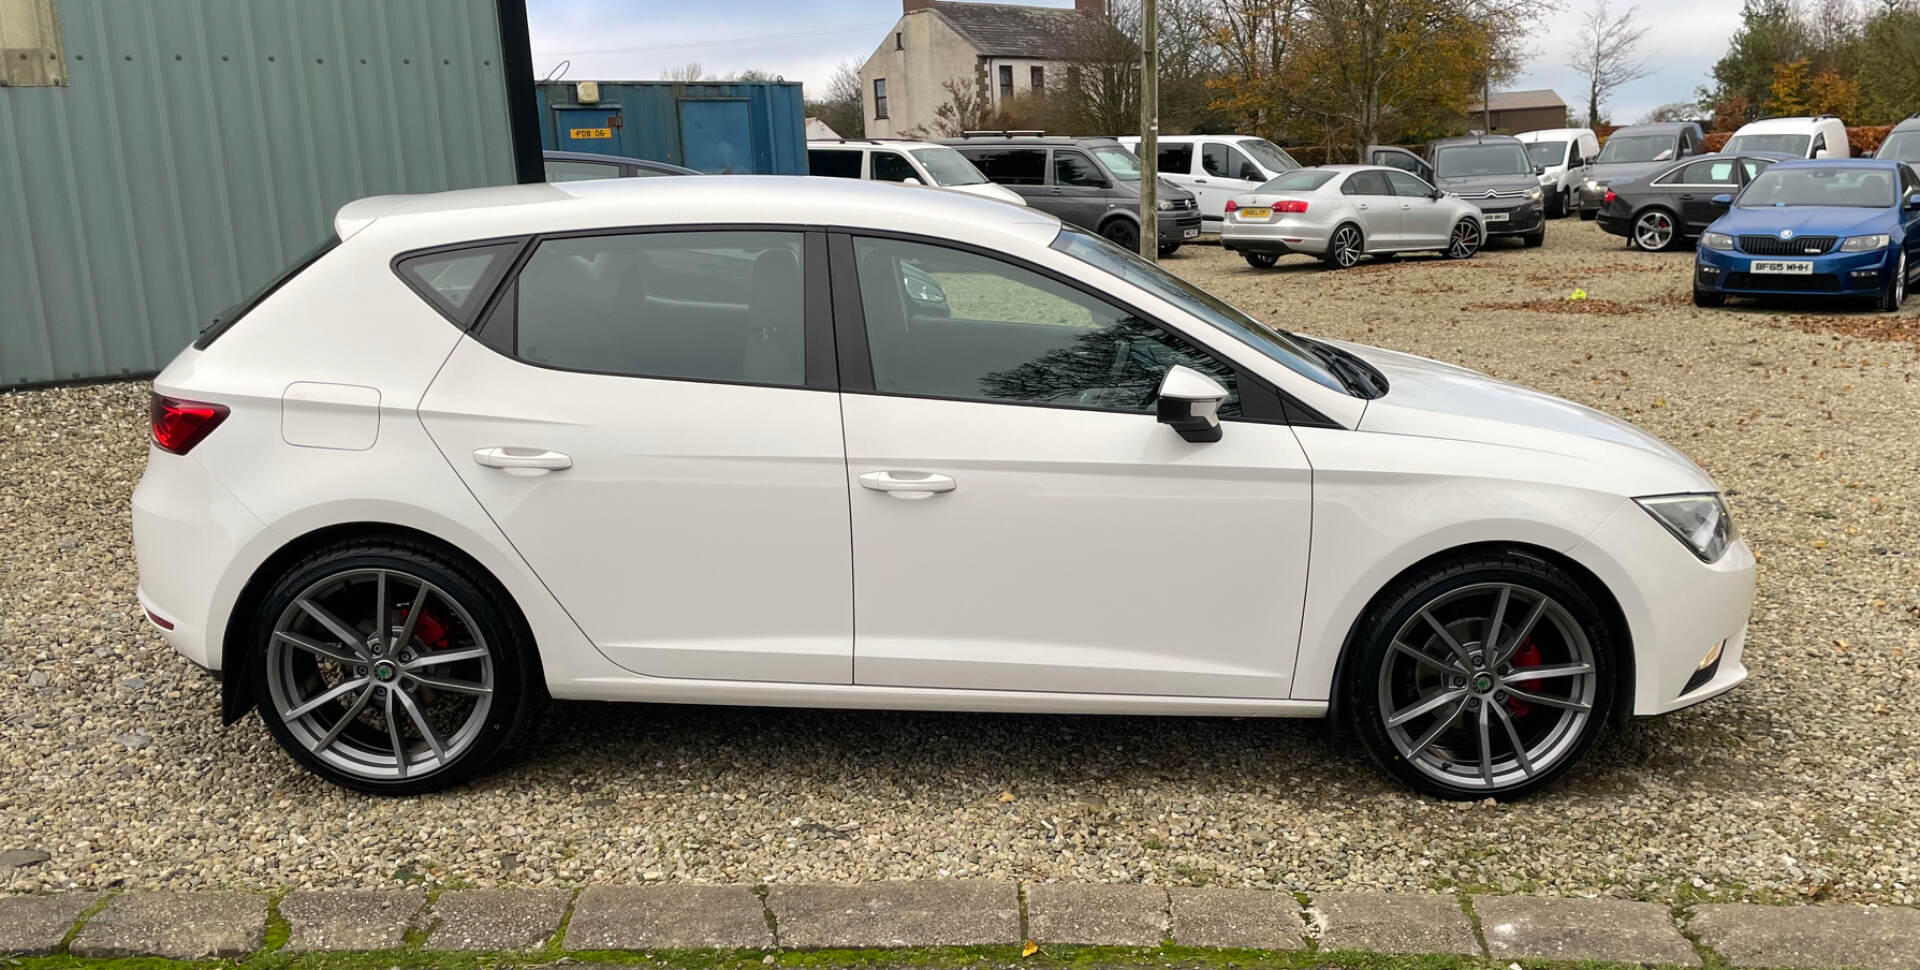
{"x": 1653, "y": 231}
{"x": 386, "y": 674}
{"x": 1345, "y": 248}
{"x": 1465, "y": 240}
{"x": 1485, "y": 677}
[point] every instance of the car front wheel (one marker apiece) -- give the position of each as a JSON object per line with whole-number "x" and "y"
{"x": 1465, "y": 240}
{"x": 387, "y": 667}
{"x": 1487, "y": 675}
{"x": 1896, "y": 292}
{"x": 1122, "y": 233}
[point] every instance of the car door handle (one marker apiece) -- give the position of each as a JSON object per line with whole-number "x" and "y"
{"x": 1359, "y": 205}
{"x": 522, "y": 458}
{"x": 907, "y": 485}
{"x": 1199, "y": 181}
{"x": 1406, "y": 205}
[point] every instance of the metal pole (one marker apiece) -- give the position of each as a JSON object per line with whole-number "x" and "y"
{"x": 1149, "y": 130}
{"x": 1486, "y": 101}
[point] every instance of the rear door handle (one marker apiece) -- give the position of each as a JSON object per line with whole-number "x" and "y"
{"x": 1199, "y": 181}
{"x": 910, "y": 486}
{"x": 534, "y": 458}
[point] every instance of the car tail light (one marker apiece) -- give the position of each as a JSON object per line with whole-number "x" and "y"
{"x": 1232, "y": 206}
{"x": 1290, "y": 205}
{"x": 1608, "y": 198}
{"x": 179, "y": 425}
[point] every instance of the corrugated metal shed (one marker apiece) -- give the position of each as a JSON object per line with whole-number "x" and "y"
{"x": 723, "y": 127}
{"x": 201, "y": 145}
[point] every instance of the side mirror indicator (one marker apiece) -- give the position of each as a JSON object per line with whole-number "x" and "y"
{"x": 1190, "y": 403}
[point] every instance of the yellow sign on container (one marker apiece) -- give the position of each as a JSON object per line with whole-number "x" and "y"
{"x": 579, "y": 134}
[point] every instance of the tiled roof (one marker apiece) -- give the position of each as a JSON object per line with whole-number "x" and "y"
{"x": 1521, "y": 100}
{"x": 1008, "y": 30}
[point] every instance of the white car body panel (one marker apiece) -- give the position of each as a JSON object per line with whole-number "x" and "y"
{"x": 1210, "y": 190}
{"x": 904, "y": 149}
{"x": 1023, "y": 589}
{"x": 1565, "y": 177}
{"x": 1825, "y": 128}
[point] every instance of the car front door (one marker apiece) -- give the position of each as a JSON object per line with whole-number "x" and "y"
{"x": 1423, "y": 220}
{"x": 641, "y": 417}
{"x": 1080, "y": 188}
{"x": 1399, "y": 158}
{"x": 1377, "y": 207}
{"x": 1693, "y": 187}
{"x": 1021, "y": 520}
{"x": 891, "y": 166}
{"x": 1225, "y": 173}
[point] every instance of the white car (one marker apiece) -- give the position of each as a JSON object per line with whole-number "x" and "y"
{"x": 1564, "y": 153}
{"x": 1216, "y": 168}
{"x": 594, "y": 440}
{"x": 1824, "y": 136}
{"x": 908, "y": 162}
{"x": 1339, "y": 213}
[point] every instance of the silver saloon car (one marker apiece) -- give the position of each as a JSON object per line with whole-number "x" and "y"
{"x": 1343, "y": 212}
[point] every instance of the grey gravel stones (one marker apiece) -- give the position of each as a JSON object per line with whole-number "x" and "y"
{"x": 497, "y": 919}
{"x": 929, "y": 913}
{"x": 1549, "y": 928}
{"x": 1876, "y": 938}
{"x": 353, "y": 920}
{"x": 656, "y": 917}
{"x": 178, "y": 926}
{"x": 35, "y": 925}
{"x": 1393, "y": 923}
{"x": 1097, "y": 915}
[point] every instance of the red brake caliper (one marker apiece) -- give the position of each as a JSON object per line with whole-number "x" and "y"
{"x": 1527, "y": 656}
{"x": 431, "y": 630}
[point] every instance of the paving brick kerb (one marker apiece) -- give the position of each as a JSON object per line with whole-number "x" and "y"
{"x": 959, "y": 913}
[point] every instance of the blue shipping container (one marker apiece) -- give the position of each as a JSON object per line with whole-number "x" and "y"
{"x": 722, "y": 127}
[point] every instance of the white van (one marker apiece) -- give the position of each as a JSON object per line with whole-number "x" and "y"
{"x": 1820, "y": 137}
{"x": 911, "y": 162}
{"x": 1216, "y": 168}
{"x": 1562, "y": 152}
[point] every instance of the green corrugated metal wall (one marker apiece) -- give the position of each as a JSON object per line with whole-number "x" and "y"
{"x": 201, "y": 145}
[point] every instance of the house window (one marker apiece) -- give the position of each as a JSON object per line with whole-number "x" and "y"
{"x": 1073, "y": 77}
{"x": 1038, "y": 78}
{"x": 1006, "y": 81}
{"x": 879, "y": 98}
{"x": 899, "y": 41}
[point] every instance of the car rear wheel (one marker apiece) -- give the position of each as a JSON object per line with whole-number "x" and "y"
{"x": 1261, "y": 260}
{"x": 1653, "y": 230}
{"x": 1345, "y": 247}
{"x": 385, "y": 667}
{"x": 1122, "y": 233}
{"x": 1168, "y": 249}
{"x": 1896, "y": 292}
{"x": 1587, "y": 215}
{"x": 1487, "y": 675}
{"x": 1465, "y": 240}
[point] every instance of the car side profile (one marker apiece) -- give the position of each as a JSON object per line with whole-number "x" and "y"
{"x": 1340, "y": 213}
{"x": 1673, "y": 206}
{"x": 1821, "y": 136}
{"x": 1841, "y": 227}
{"x": 1634, "y": 151}
{"x": 588, "y": 440}
{"x": 906, "y": 162}
{"x": 1493, "y": 172}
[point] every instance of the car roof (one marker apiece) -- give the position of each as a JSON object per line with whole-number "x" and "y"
{"x": 1182, "y": 139}
{"x": 1036, "y": 141}
{"x": 560, "y": 156}
{"x": 861, "y": 143}
{"x": 1908, "y": 125}
{"x": 1784, "y": 125}
{"x": 417, "y": 221}
{"x": 1656, "y": 127}
{"x": 1439, "y": 143}
{"x": 1867, "y": 163}
{"x": 1545, "y": 133}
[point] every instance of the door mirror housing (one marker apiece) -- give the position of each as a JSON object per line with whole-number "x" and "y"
{"x": 1437, "y": 194}
{"x": 909, "y": 180}
{"x": 1539, "y": 170}
{"x": 1190, "y": 403}
{"x": 1913, "y": 201}
{"x": 1723, "y": 200}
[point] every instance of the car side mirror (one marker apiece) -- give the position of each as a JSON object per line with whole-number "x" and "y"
{"x": 1822, "y": 153}
{"x": 1539, "y": 170}
{"x": 1723, "y": 200}
{"x": 1190, "y": 403}
{"x": 1436, "y": 195}
{"x": 1913, "y": 201}
{"x": 909, "y": 180}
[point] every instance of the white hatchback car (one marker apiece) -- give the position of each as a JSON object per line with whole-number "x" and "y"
{"x": 587, "y": 439}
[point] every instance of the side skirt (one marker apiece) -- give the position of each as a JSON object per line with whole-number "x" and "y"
{"x": 662, "y": 690}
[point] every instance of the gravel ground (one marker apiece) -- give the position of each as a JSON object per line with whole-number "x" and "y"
{"x": 1803, "y": 785}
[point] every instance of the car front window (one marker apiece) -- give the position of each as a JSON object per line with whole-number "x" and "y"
{"x": 1859, "y": 188}
{"x": 1122, "y": 163}
{"x": 1271, "y": 157}
{"x": 1784, "y": 144}
{"x": 1278, "y": 345}
{"x": 1468, "y": 161}
{"x": 1901, "y": 146}
{"x": 1548, "y": 153}
{"x": 948, "y": 167}
{"x": 1638, "y": 148}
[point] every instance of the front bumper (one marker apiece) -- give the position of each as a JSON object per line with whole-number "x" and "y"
{"x": 1523, "y": 218}
{"x": 1281, "y": 234}
{"x": 1677, "y": 608}
{"x": 1178, "y": 226}
{"x": 1593, "y": 195}
{"x": 1839, "y": 274}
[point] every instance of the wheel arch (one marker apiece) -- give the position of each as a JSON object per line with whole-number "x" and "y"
{"x": 235, "y": 699}
{"x": 1118, "y": 215}
{"x": 1610, "y": 609}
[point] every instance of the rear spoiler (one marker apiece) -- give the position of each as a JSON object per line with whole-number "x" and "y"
{"x": 360, "y": 213}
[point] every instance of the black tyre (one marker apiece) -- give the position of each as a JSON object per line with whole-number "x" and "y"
{"x": 1465, "y": 240}
{"x": 1708, "y": 298}
{"x": 1122, "y": 233}
{"x": 1456, "y": 712}
{"x": 1344, "y": 247}
{"x": 1557, "y": 205}
{"x": 1896, "y": 291}
{"x": 387, "y": 667}
{"x": 1535, "y": 239}
{"x": 1587, "y": 215}
{"x": 1261, "y": 260}
{"x": 1168, "y": 249}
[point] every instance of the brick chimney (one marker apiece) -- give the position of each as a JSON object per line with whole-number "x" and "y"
{"x": 1097, "y": 8}
{"x": 909, "y": 6}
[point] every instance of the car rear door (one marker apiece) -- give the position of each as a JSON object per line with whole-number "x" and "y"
{"x": 1021, "y": 520}
{"x": 651, "y": 419}
{"x": 1693, "y": 186}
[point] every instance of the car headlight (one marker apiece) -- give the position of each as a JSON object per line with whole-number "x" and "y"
{"x": 1716, "y": 240}
{"x": 1166, "y": 205}
{"x": 1533, "y": 195}
{"x": 1591, "y": 185}
{"x": 1699, "y": 521}
{"x": 1863, "y": 244}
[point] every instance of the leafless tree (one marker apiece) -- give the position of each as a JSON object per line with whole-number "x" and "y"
{"x": 842, "y": 109}
{"x": 1607, "y": 53}
{"x": 689, "y": 71}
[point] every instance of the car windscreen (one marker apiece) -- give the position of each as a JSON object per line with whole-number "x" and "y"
{"x": 1638, "y": 148}
{"x": 1547, "y": 153}
{"x": 1122, "y": 163}
{"x": 1299, "y": 180}
{"x": 948, "y": 167}
{"x": 1271, "y": 157}
{"x": 1902, "y": 146}
{"x": 225, "y": 320}
{"x": 1853, "y": 188}
{"x": 1126, "y": 264}
{"x": 1784, "y": 144}
{"x": 1468, "y": 161}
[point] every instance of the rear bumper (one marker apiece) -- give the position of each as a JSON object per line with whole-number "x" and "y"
{"x": 188, "y": 531}
{"x": 1838, "y": 274}
{"x": 1279, "y": 237}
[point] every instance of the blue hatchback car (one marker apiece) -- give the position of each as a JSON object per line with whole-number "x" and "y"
{"x": 1849, "y": 227}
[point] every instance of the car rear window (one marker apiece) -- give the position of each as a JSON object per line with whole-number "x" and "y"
{"x": 1299, "y": 180}
{"x": 225, "y": 319}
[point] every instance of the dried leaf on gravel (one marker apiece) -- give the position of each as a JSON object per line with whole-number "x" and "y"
{"x": 1583, "y": 307}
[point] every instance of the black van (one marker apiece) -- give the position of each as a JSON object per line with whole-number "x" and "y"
{"x": 1093, "y": 183}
